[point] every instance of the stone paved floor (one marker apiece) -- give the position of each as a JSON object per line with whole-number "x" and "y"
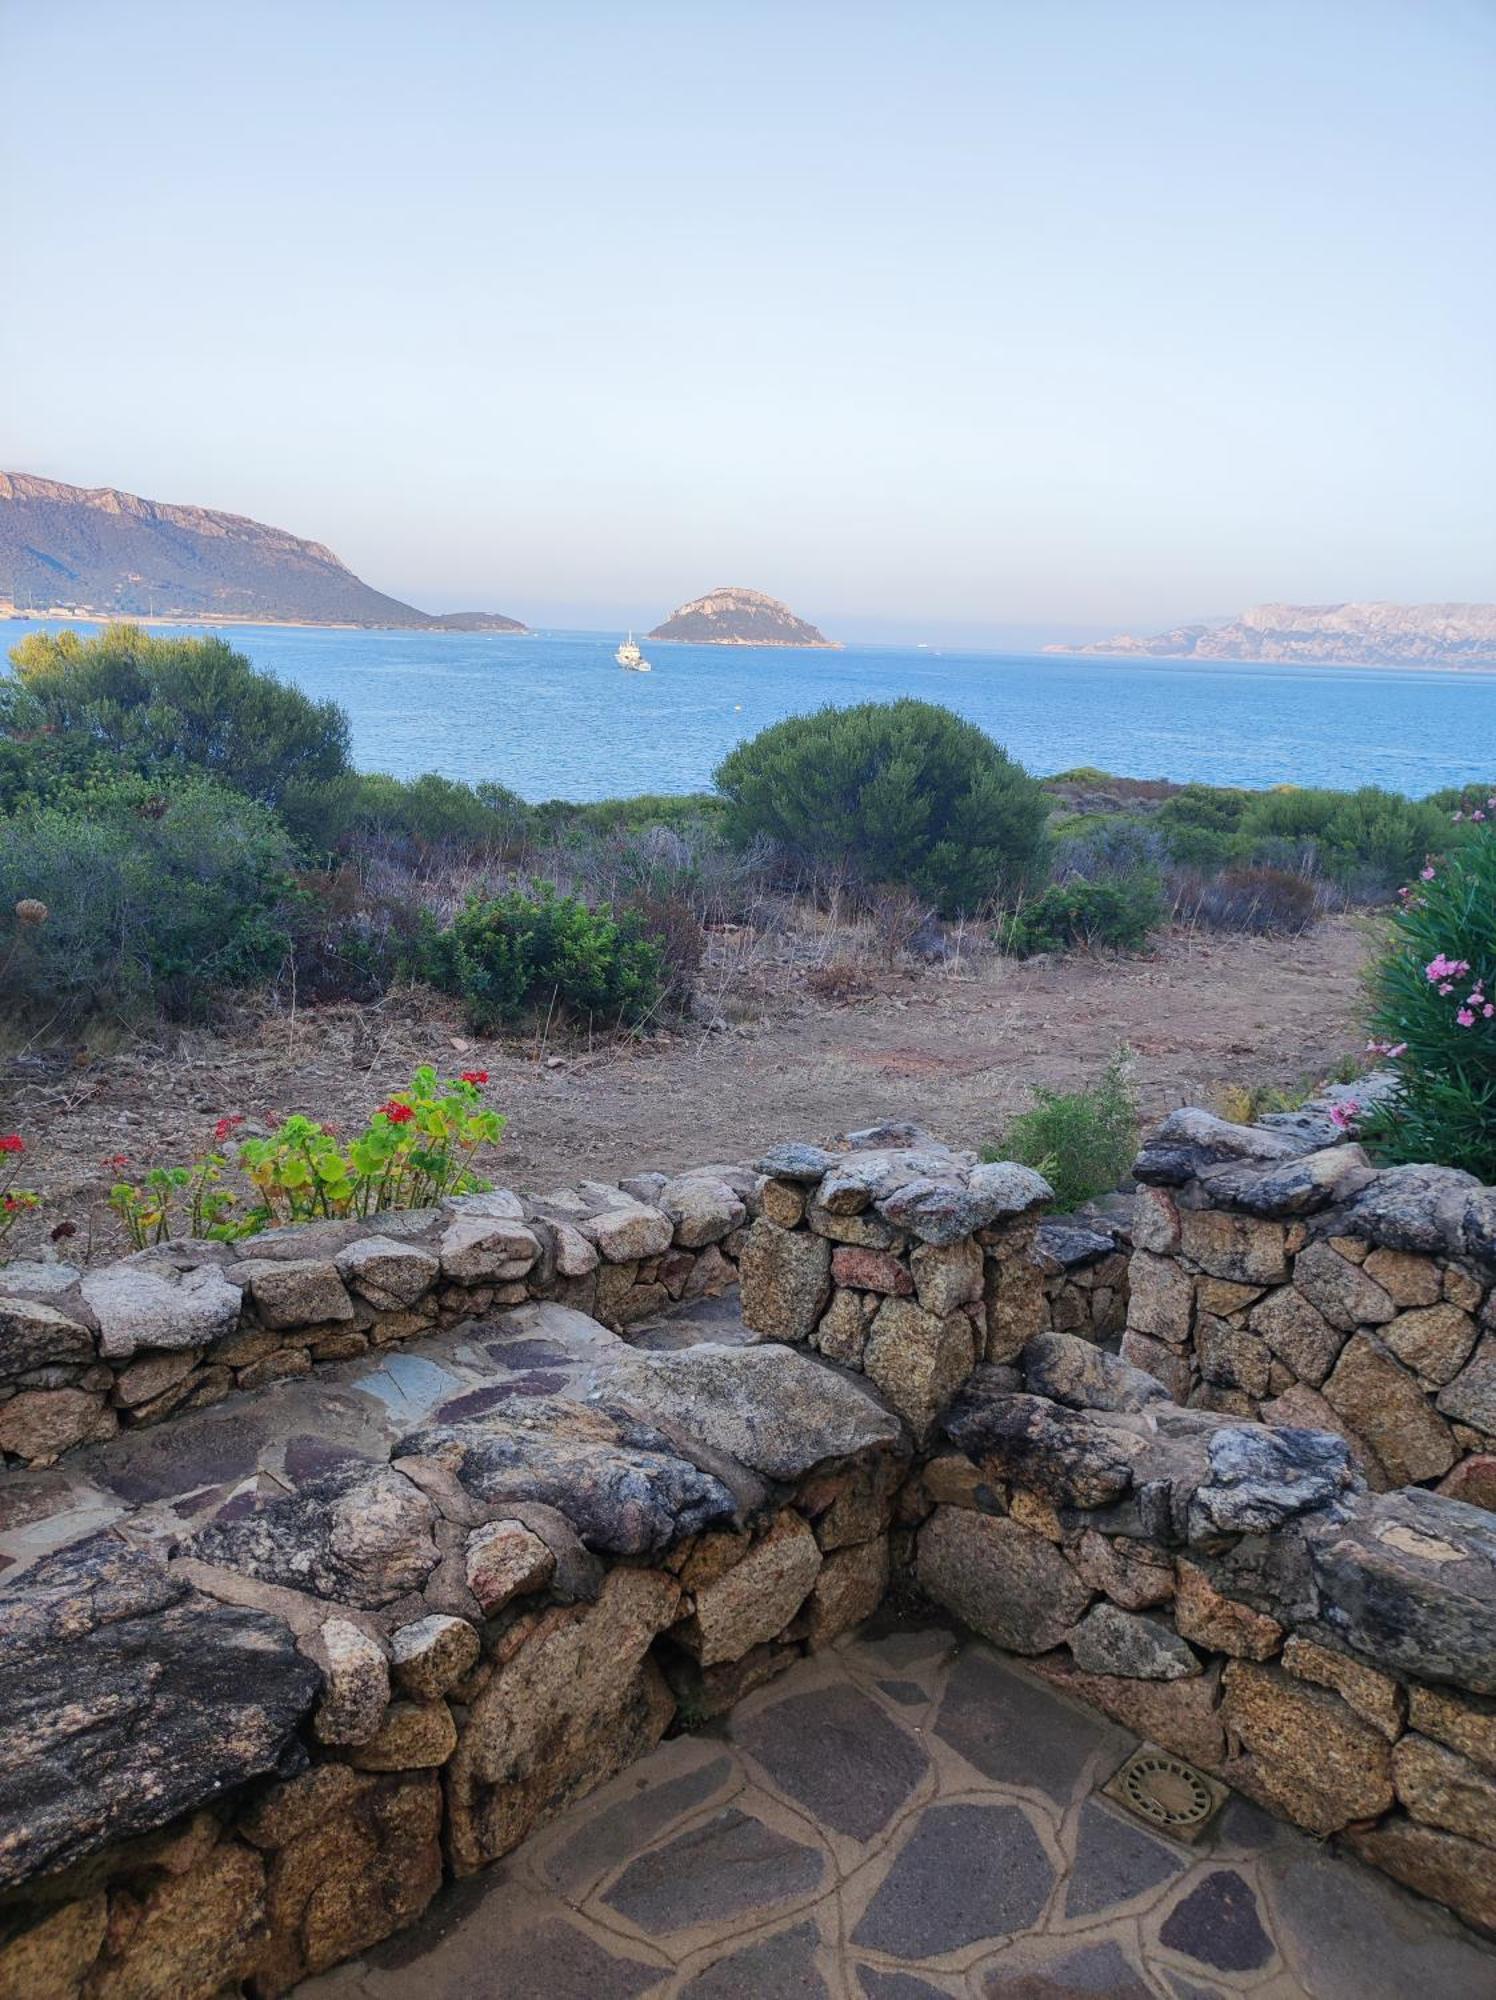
{"x": 900, "y": 1819}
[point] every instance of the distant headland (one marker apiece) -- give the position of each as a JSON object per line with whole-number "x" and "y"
{"x": 732, "y": 616}
{"x": 94, "y": 552}
{"x": 1327, "y": 635}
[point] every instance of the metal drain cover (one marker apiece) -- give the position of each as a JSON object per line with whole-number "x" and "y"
{"x": 1166, "y": 1793}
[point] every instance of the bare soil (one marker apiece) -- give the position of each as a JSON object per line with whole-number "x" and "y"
{"x": 956, "y": 1048}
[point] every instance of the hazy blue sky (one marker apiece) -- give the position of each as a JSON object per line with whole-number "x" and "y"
{"x": 928, "y": 317}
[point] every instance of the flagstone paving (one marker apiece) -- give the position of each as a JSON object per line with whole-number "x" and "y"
{"x": 908, "y": 1817}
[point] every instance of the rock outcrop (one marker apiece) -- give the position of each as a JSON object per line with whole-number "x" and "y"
{"x": 1349, "y": 635}
{"x": 735, "y": 617}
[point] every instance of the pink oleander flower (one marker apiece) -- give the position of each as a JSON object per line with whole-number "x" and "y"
{"x": 1345, "y": 1114}
{"x": 1441, "y": 966}
{"x": 1425, "y": 874}
{"x": 1446, "y": 986}
{"x": 1465, "y": 1018}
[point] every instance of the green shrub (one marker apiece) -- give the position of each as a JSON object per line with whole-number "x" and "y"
{"x": 526, "y": 953}
{"x": 1200, "y": 824}
{"x": 901, "y": 792}
{"x": 1434, "y": 999}
{"x": 337, "y": 815}
{"x": 681, "y": 812}
{"x": 1117, "y": 913}
{"x": 1369, "y": 838}
{"x": 172, "y": 705}
{"x": 1082, "y": 1141}
{"x": 156, "y": 894}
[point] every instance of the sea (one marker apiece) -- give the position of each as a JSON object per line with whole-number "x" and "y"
{"x": 551, "y": 715}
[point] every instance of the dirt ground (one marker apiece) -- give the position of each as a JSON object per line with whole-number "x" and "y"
{"x": 957, "y": 1049}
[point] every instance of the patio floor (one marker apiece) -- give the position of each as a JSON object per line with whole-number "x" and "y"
{"x": 903, "y": 1818}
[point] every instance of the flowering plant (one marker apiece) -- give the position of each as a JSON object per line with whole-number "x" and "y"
{"x": 1434, "y": 1008}
{"x": 14, "y": 1201}
{"x": 419, "y": 1145}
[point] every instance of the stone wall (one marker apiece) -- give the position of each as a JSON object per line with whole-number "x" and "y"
{"x": 1235, "y": 1594}
{"x": 1275, "y": 1275}
{"x": 274, "y": 1672}
{"x": 176, "y": 1328}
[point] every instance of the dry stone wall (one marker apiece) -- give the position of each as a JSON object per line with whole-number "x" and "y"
{"x": 1234, "y": 1593}
{"x": 275, "y": 1671}
{"x": 1274, "y": 1275}
{"x": 84, "y": 1354}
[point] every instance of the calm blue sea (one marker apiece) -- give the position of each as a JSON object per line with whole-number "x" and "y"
{"x": 552, "y": 716}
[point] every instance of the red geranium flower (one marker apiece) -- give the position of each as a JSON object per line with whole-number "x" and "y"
{"x": 477, "y": 1077}
{"x": 398, "y": 1114}
{"x": 226, "y": 1125}
{"x": 12, "y": 1143}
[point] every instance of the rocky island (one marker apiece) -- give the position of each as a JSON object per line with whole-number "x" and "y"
{"x": 95, "y": 552}
{"x": 1337, "y": 635}
{"x": 735, "y": 617}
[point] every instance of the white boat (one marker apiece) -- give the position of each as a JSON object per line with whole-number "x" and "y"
{"x": 629, "y": 656}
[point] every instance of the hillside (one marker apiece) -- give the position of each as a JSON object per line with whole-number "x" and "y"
{"x": 736, "y": 617}
{"x": 1351, "y": 635}
{"x": 98, "y": 551}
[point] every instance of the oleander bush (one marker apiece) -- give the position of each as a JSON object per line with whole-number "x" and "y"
{"x": 1434, "y": 1012}
{"x": 891, "y": 792}
{"x": 1082, "y": 1141}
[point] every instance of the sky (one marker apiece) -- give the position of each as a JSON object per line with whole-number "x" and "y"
{"x": 965, "y": 321}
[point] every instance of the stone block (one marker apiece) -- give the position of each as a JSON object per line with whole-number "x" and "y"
{"x": 1167, "y": 1365}
{"x": 842, "y": 1333}
{"x": 1155, "y": 1221}
{"x": 1453, "y": 1871}
{"x": 414, "y": 1736}
{"x": 1131, "y": 1573}
{"x": 576, "y": 1699}
{"x": 755, "y": 1599}
{"x": 36, "y": 1335}
{"x": 1407, "y": 1280}
{"x": 1312, "y": 1758}
{"x": 192, "y": 1935}
{"x": 1377, "y": 1698}
{"x": 872, "y": 1271}
{"x": 1434, "y": 1341}
{"x": 1465, "y": 1722}
{"x": 1471, "y": 1397}
{"x": 1130, "y": 1644}
{"x": 157, "y": 1305}
{"x": 387, "y": 1272}
{"x": 503, "y": 1560}
{"x": 1231, "y": 1357}
{"x": 1298, "y": 1333}
{"x": 1340, "y": 1290}
{"x": 1239, "y": 1247}
{"x": 1381, "y": 1401}
{"x": 627, "y": 1234}
{"x": 1162, "y": 1299}
{"x": 783, "y": 1202}
{"x": 294, "y": 1292}
{"x": 701, "y": 1209}
{"x": 948, "y": 1276}
{"x": 1178, "y": 1715}
{"x": 38, "y": 1425}
{"x": 785, "y": 1280}
{"x": 1009, "y": 1584}
{"x": 431, "y": 1655}
{"x": 917, "y": 1360}
{"x": 356, "y": 1683}
{"x": 850, "y": 1587}
{"x": 1220, "y": 1623}
{"x": 1439, "y": 1787}
{"x": 48, "y": 1960}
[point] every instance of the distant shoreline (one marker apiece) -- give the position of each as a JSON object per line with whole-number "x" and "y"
{"x": 1218, "y": 660}
{"x": 56, "y": 617}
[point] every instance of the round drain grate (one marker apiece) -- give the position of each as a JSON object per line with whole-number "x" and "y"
{"x": 1165, "y": 1791}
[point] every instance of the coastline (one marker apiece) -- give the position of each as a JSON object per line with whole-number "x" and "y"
{"x": 1246, "y": 660}
{"x": 55, "y": 615}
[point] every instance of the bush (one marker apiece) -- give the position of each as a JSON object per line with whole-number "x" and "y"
{"x": 1097, "y": 848}
{"x": 1369, "y": 839}
{"x": 1200, "y": 824}
{"x": 1266, "y": 901}
{"x": 902, "y": 792}
{"x": 337, "y": 816}
{"x": 173, "y": 706}
{"x": 155, "y": 894}
{"x": 1082, "y": 1141}
{"x": 526, "y": 953}
{"x": 1118, "y": 914}
{"x": 1434, "y": 997}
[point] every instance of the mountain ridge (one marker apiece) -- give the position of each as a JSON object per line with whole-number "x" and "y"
{"x": 1367, "y": 633}
{"x": 102, "y": 552}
